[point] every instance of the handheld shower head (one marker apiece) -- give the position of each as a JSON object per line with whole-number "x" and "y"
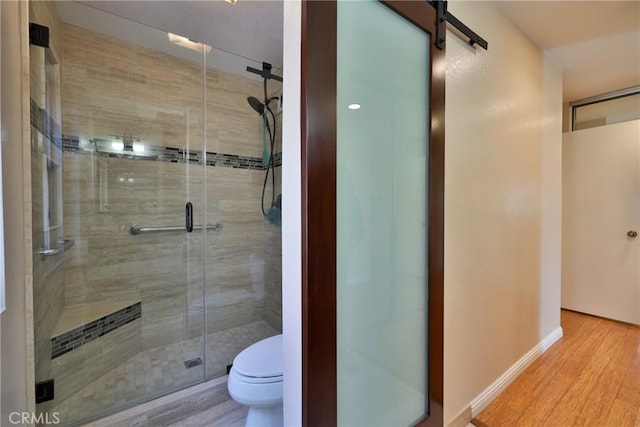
{"x": 256, "y": 105}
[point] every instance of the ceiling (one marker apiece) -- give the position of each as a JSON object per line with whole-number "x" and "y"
{"x": 597, "y": 43}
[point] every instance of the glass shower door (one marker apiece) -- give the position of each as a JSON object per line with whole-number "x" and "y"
{"x": 243, "y": 269}
{"x": 117, "y": 154}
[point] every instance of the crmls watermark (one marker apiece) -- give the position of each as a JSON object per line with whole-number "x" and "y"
{"x": 31, "y": 418}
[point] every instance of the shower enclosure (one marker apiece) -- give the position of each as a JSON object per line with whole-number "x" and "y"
{"x": 137, "y": 137}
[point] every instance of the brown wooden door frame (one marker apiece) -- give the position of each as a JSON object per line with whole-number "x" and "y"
{"x": 318, "y": 127}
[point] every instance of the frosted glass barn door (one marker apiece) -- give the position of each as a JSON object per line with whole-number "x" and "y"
{"x": 382, "y": 204}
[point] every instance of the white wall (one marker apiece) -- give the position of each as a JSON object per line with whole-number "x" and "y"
{"x": 566, "y": 117}
{"x": 292, "y": 217}
{"x": 502, "y": 202}
{"x": 551, "y": 198}
{"x": 16, "y": 381}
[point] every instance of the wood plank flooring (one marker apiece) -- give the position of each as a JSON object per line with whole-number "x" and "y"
{"x": 590, "y": 377}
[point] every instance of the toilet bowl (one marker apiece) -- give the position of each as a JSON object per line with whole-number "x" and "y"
{"x": 255, "y": 380}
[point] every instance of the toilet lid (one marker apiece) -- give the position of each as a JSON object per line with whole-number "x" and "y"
{"x": 262, "y": 359}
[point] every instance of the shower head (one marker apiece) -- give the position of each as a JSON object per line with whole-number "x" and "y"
{"x": 256, "y": 105}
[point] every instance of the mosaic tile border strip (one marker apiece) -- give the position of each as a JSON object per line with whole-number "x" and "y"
{"x": 71, "y": 144}
{"x": 88, "y": 332}
{"x": 45, "y": 124}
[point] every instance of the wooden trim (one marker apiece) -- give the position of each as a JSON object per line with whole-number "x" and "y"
{"x": 436, "y": 233}
{"x": 318, "y": 125}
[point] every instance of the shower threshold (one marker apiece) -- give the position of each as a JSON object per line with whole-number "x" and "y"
{"x": 203, "y": 404}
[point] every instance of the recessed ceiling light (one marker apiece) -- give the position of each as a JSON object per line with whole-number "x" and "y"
{"x": 231, "y": 1}
{"x": 189, "y": 44}
{"x": 354, "y": 106}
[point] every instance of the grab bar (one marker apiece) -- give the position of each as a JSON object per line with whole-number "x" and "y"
{"x": 136, "y": 229}
{"x": 63, "y": 245}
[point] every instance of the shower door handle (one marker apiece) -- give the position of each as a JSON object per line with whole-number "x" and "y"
{"x": 188, "y": 217}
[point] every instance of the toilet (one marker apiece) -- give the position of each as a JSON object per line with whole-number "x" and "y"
{"x": 255, "y": 380}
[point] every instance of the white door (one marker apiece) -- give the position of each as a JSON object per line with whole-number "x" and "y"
{"x": 601, "y": 213}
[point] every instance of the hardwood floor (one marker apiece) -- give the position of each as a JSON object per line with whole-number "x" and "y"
{"x": 590, "y": 377}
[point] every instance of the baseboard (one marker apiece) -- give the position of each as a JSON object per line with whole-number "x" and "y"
{"x": 491, "y": 392}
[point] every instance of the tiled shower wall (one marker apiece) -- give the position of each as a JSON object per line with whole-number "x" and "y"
{"x": 110, "y": 87}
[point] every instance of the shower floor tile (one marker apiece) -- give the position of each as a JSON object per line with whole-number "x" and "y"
{"x": 153, "y": 372}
